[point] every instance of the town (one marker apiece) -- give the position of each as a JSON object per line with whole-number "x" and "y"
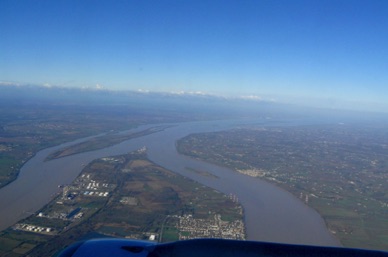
{"x": 338, "y": 169}
{"x": 190, "y": 228}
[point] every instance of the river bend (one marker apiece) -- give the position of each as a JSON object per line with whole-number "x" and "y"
{"x": 271, "y": 213}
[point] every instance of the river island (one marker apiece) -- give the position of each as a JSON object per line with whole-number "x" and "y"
{"x": 126, "y": 196}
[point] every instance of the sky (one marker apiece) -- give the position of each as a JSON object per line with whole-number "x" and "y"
{"x": 330, "y": 53}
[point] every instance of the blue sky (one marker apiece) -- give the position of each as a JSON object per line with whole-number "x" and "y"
{"x": 323, "y": 53}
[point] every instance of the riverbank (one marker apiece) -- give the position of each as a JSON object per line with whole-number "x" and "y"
{"x": 270, "y": 213}
{"x": 337, "y": 169}
{"x": 126, "y": 196}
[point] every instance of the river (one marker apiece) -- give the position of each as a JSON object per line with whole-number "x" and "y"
{"x": 271, "y": 213}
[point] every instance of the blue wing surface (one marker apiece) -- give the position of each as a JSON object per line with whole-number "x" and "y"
{"x": 208, "y": 248}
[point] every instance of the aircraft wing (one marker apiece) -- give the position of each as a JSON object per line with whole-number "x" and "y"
{"x": 207, "y": 248}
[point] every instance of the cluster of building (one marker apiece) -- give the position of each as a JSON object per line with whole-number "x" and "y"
{"x": 5, "y": 148}
{"x": 33, "y": 228}
{"x": 93, "y": 187}
{"x": 87, "y": 187}
{"x": 253, "y": 172}
{"x": 96, "y": 193}
{"x": 190, "y": 228}
{"x": 72, "y": 214}
{"x": 129, "y": 200}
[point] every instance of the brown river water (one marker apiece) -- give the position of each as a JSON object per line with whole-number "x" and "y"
{"x": 271, "y": 213}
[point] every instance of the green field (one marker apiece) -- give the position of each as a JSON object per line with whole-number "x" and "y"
{"x": 341, "y": 171}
